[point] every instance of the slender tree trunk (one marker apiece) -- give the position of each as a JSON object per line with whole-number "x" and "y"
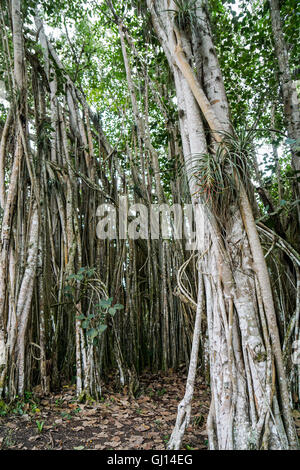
{"x": 288, "y": 86}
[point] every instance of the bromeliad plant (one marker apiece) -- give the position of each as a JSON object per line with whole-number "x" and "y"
{"x": 184, "y": 13}
{"x": 215, "y": 173}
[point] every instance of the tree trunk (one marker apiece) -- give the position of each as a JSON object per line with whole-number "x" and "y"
{"x": 288, "y": 86}
{"x": 242, "y": 328}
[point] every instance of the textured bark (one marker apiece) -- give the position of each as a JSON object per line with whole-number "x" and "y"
{"x": 185, "y": 406}
{"x": 24, "y": 299}
{"x": 3, "y": 143}
{"x": 18, "y": 44}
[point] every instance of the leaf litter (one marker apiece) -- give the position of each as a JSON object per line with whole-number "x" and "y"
{"x": 117, "y": 422}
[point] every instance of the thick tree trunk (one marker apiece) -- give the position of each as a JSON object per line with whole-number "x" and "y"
{"x": 242, "y": 328}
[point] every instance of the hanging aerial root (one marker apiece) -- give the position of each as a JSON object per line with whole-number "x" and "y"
{"x": 184, "y": 407}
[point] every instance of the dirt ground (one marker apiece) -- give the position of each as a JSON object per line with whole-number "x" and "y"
{"x": 117, "y": 422}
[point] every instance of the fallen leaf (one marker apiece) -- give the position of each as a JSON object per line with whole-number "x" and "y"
{"x": 142, "y": 428}
{"x": 148, "y": 446}
{"x": 101, "y": 434}
{"x": 89, "y": 412}
{"x": 34, "y": 438}
{"x": 10, "y": 425}
{"x": 136, "y": 441}
{"x": 118, "y": 425}
{"x": 112, "y": 444}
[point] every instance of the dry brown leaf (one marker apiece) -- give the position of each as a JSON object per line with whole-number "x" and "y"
{"x": 148, "y": 446}
{"x": 119, "y": 425}
{"x": 136, "y": 440}
{"x": 100, "y": 434}
{"x": 124, "y": 402}
{"x": 112, "y": 444}
{"x": 34, "y": 438}
{"x": 45, "y": 402}
{"x": 171, "y": 417}
{"x": 90, "y": 412}
{"x": 142, "y": 428}
{"x": 143, "y": 399}
{"x": 11, "y": 425}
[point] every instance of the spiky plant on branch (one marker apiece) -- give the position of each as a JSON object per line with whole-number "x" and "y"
{"x": 184, "y": 13}
{"x": 214, "y": 172}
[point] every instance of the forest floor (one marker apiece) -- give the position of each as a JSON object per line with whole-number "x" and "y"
{"x": 117, "y": 422}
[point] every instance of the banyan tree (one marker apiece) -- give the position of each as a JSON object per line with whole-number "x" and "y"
{"x": 131, "y": 107}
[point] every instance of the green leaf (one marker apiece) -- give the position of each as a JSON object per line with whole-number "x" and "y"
{"x": 85, "y": 324}
{"x": 105, "y": 303}
{"x": 72, "y": 276}
{"x": 118, "y": 306}
{"x": 102, "y": 328}
{"x": 92, "y": 333}
{"x": 289, "y": 141}
{"x": 80, "y": 317}
{"x": 112, "y": 311}
{"x": 90, "y": 272}
{"x": 67, "y": 289}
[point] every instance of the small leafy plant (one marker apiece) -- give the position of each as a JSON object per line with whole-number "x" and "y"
{"x": 3, "y": 408}
{"x": 83, "y": 277}
{"x": 198, "y": 421}
{"x": 40, "y": 425}
{"x": 161, "y": 392}
{"x": 78, "y": 287}
{"x": 188, "y": 447}
{"x": 94, "y": 323}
